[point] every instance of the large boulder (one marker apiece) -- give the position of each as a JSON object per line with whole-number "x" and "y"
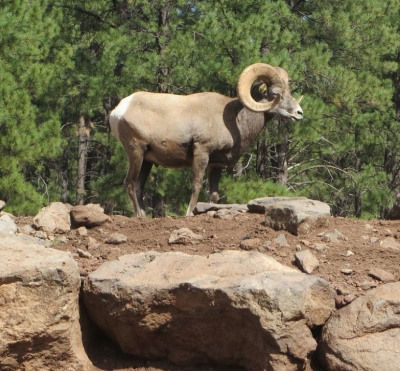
{"x": 234, "y": 308}
{"x": 7, "y": 225}
{"x": 54, "y": 218}
{"x": 91, "y": 215}
{"x": 297, "y": 215}
{"x": 365, "y": 335}
{"x": 39, "y": 312}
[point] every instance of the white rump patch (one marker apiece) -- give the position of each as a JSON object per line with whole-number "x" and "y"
{"x": 122, "y": 107}
{"x": 118, "y": 113}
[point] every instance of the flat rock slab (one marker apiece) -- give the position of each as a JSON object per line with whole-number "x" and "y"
{"x": 296, "y": 215}
{"x": 365, "y": 335}
{"x": 259, "y": 205}
{"x": 39, "y": 312}
{"x": 233, "y": 308}
{"x": 204, "y": 207}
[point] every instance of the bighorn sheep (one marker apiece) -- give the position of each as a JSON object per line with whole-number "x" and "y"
{"x": 203, "y": 130}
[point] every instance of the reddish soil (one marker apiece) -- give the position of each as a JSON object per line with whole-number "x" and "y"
{"x": 219, "y": 235}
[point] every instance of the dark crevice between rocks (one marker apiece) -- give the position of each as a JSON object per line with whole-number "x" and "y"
{"x": 107, "y": 355}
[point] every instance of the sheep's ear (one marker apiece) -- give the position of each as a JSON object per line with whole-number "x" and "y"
{"x": 262, "y": 88}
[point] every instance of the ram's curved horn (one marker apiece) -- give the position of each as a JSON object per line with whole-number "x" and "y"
{"x": 257, "y": 72}
{"x": 298, "y": 100}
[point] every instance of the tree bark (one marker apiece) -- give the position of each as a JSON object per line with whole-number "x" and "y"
{"x": 357, "y": 166}
{"x": 262, "y": 160}
{"x": 281, "y": 158}
{"x": 83, "y": 149}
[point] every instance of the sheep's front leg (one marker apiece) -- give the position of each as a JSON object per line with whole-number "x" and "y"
{"x": 214, "y": 176}
{"x": 200, "y": 162}
{"x": 135, "y": 154}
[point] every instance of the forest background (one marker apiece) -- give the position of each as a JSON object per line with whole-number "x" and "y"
{"x": 64, "y": 65}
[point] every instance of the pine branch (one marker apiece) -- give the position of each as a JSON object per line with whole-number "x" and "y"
{"x": 87, "y": 12}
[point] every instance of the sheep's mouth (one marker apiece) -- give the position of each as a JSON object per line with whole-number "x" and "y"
{"x": 295, "y": 118}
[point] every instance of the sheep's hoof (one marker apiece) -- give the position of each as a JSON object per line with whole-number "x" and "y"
{"x": 214, "y": 197}
{"x": 141, "y": 214}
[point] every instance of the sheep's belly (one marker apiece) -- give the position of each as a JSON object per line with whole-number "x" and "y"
{"x": 170, "y": 155}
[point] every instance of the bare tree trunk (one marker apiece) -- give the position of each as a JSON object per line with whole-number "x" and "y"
{"x": 163, "y": 72}
{"x": 262, "y": 160}
{"x": 83, "y": 149}
{"x": 282, "y": 155}
{"x": 397, "y": 91}
{"x": 357, "y": 191}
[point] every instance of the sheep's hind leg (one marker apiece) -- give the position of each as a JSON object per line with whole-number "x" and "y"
{"x": 140, "y": 182}
{"x": 200, "y": 162}
{"x": 214, "y": 176}
{"x": 135, "y": 156}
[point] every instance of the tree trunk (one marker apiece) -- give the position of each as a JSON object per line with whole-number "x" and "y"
{"x": 357, "y": 166}
{"x": 262, "y": 160}
{"x": 83, "y": 149}
{"x": 158, "y": 206}
{"x": 282, "y": 155}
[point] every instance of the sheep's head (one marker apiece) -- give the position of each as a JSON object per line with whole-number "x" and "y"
{"x": 278, "y": 99}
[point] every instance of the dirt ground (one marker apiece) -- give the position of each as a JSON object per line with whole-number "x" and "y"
{"x": 363, "y": 238}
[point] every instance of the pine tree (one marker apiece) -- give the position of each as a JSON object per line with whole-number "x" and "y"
{"x": 345, "y": 45}
{"x": 29, "y": 121}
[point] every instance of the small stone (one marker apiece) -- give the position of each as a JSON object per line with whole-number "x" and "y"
{"x": 183, "y": 236}
{"x": 318, "y": 246}
{"x": 347, "y": 271}
{"x": 382, "y": 275}
{"x": 390, "y": 243}
{"x": 92, "y": 244}
{"x": 342, "y": 291}
{"x": 374, "y": 239}
{"x": 333, "y": 236}
{"x": 349, "y": 298}
{"x": 27, "y": 229}
{"x": 269, "y": 247}
{"x": 116, "y": 239}
{"x": 281, "y": 240}
{"x": 306, "y": 261}
{"x": 305, "y": 243}
{"x": 388, "y": 232}
{"x": 82, "y": 231}
{"x": 62, "y": 239}
{"x": 250, "y": 244}
{"x": 366, "y": 285}
{"x": 298, "y": 247}
{"x": 339, "y": 301}
{"x": 83, "y": 273}
{"x": 349, "y": 253}
{"x": 41, "y": 234}
{"x": 84, "y": 254}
